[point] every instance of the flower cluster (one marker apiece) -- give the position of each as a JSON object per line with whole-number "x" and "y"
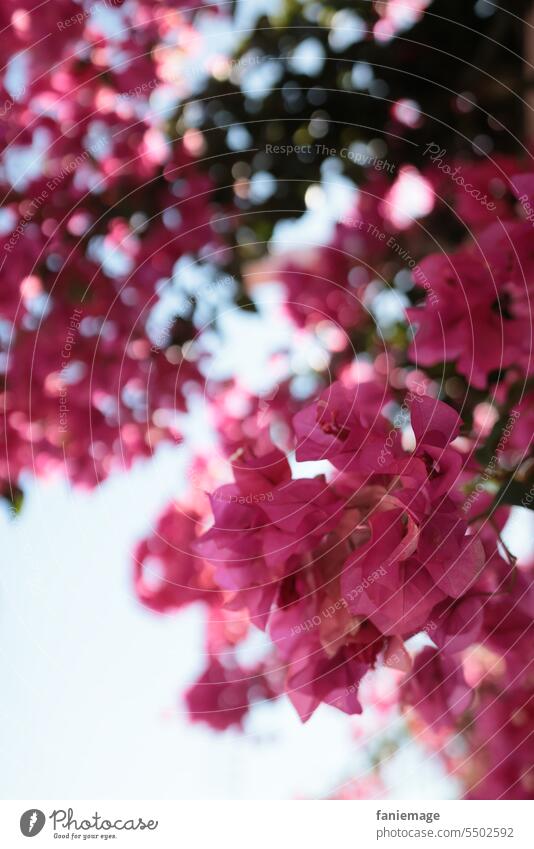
{"x": 93, "y": 223}
{"x": 480, "y": 319}
{"x": 340, "y": 571}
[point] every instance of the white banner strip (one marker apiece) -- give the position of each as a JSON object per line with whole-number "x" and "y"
{"x": 268, "y": 825}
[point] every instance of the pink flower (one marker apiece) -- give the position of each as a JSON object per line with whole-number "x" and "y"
{"x": 437, "y": 688}
{"x": 168, "y": 574}
{"x": 222, "y": 695}
{"x": 476, "y": 313}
